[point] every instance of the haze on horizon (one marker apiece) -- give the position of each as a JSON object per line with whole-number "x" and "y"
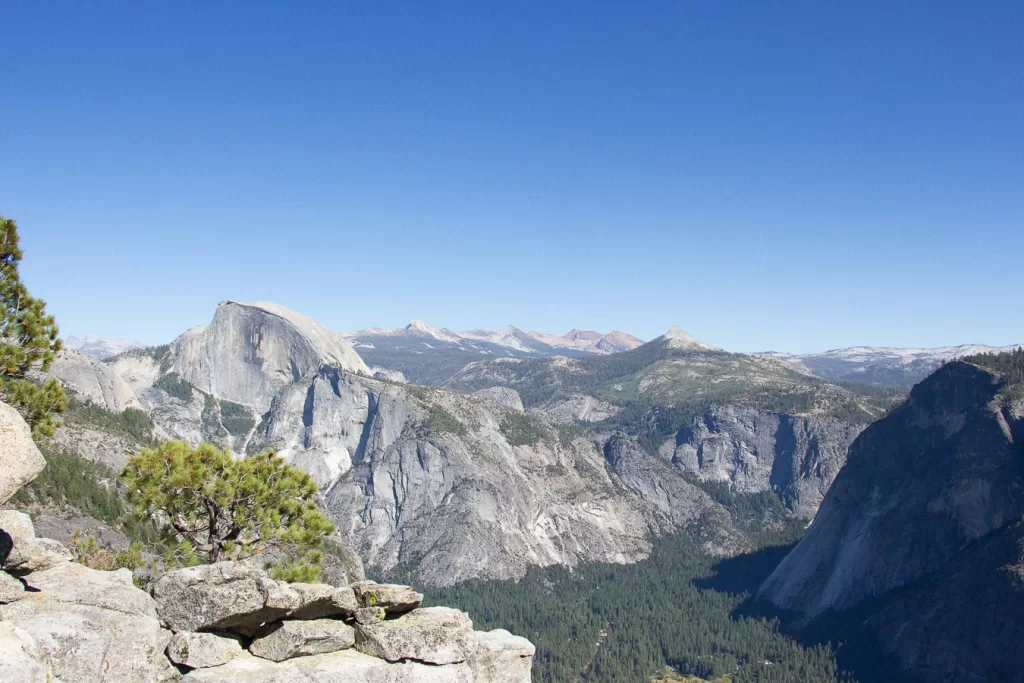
{"x": 793, "y": 178}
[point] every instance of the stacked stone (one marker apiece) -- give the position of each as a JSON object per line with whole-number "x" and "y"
{"x": 233, "y": 623}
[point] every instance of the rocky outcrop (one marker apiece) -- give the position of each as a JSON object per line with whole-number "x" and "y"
{"x": 81, "y": 625}
{"x": 250, "y": 351}
{"x": 500, "y": 656}
{"x": 93, "y": 381}
{"x": 28, "y": 553}
{"x": 920, "y": 536}
{"x": 307, "y": 632}
{"x": 66, "y": 622}
{"x": 436, "y": 484}
{"x": 203, "y": 650}
{"x": 503, "y": 396}
{"x": 239, "y": 597}
{"x": 20, "y": 459}
{"x": 676, "y": 501}
{"x": 11, "y": 589}
{"x": 290, "y": 639}
{"x": 575, "y": 408}
{"x": 89, "y": 626}
{"x": 796, "y": 456}
{"x": 21, "y": 657}
{"x": 345, "y": 665}
{"x": 433, "y": 635}
{"x": 937, "y": 473}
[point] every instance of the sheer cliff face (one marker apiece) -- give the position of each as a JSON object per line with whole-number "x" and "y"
{"x": 249, "y": 352}
{"x": 432, "y": 481}
{"x": 939, "y": 472}
{"x": 963, "y": 621}
{"x": 89, "y": 380}
{"x": 797, "y": 457}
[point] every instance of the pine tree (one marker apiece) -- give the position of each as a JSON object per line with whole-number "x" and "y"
{"x": 28, "y": 341}
{"x": 223, "y": 508}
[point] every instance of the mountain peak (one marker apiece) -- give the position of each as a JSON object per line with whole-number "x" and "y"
{"x": 678, "y": 338}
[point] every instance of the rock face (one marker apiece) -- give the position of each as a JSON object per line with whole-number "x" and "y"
{"x": 676, "y": 501}
{"x": 250, "y": 351}
{"x": 437, "y": 485}
{"x": 346, "y": 665}
{"x": 290, "y": 639}
{"x": 20, "y": 460}
{"x": 91, "y": 626}
{"x": 962, "y": 622}
{"x": 575, "y": 408}
{"x": 937, "y": 473}
{"x": 294, "y": 645}
{"x": 203, "y": 650}
{"x": 225, "y": 596}
{"x": 924, "y": 520}
{"x": 21, "y": 657}
{"x": 797, "y": 457}
{"x": 501, "y": 656}
{"x": 28, "y": 553}
{"x": 11, "y": 589}
{"x": 93, "y": 381}
{"x": 434, "y": 635}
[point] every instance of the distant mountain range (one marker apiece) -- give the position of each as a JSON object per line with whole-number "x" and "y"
{"x": 508, "y": 339}
{"x": 425, "y": 354}
{"x": 882, "y": 365}
{"x": 99, "y": 346}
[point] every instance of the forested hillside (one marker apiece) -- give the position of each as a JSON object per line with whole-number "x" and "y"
{"x": 611, "y": 623}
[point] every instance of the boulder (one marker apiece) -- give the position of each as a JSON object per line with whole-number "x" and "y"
{"x": 20, "y": 656}
{"x": 288, "y": 639}
{"x": 433, "y": 635}
{"x": 335, "y": 667}
{"x": 11, "y": 589}
{"x": 36, "y": 555}
{"x": 320, "y": 600}
{"x": 203, "y": 650}
{"x": 20, "y": 459}
{"x": 226, "y": 595}
{"x": 240, "y": 597}
{"x": 501, "y": 657}
{"x": 393, "y": 598}
{"x": 28, "y": 553}
{"x": 76, "y": 583}
{"x": 87, "y": 644}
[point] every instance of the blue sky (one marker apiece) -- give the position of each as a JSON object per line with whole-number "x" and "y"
{"x": 792, "y": 175}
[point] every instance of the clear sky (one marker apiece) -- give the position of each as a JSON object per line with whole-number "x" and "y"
{"x": 767, "y": 175}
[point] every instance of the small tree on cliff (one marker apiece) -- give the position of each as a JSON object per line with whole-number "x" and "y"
{"x": 223, "y": 508}
{"x": 28, "y": 340}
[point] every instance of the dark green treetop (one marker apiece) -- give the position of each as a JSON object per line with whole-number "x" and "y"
{"x": 28, "y": 341}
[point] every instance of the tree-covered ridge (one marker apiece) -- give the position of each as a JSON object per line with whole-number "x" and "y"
{"x": 1009, "y": 366}
{"x": 686, "y": 381}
